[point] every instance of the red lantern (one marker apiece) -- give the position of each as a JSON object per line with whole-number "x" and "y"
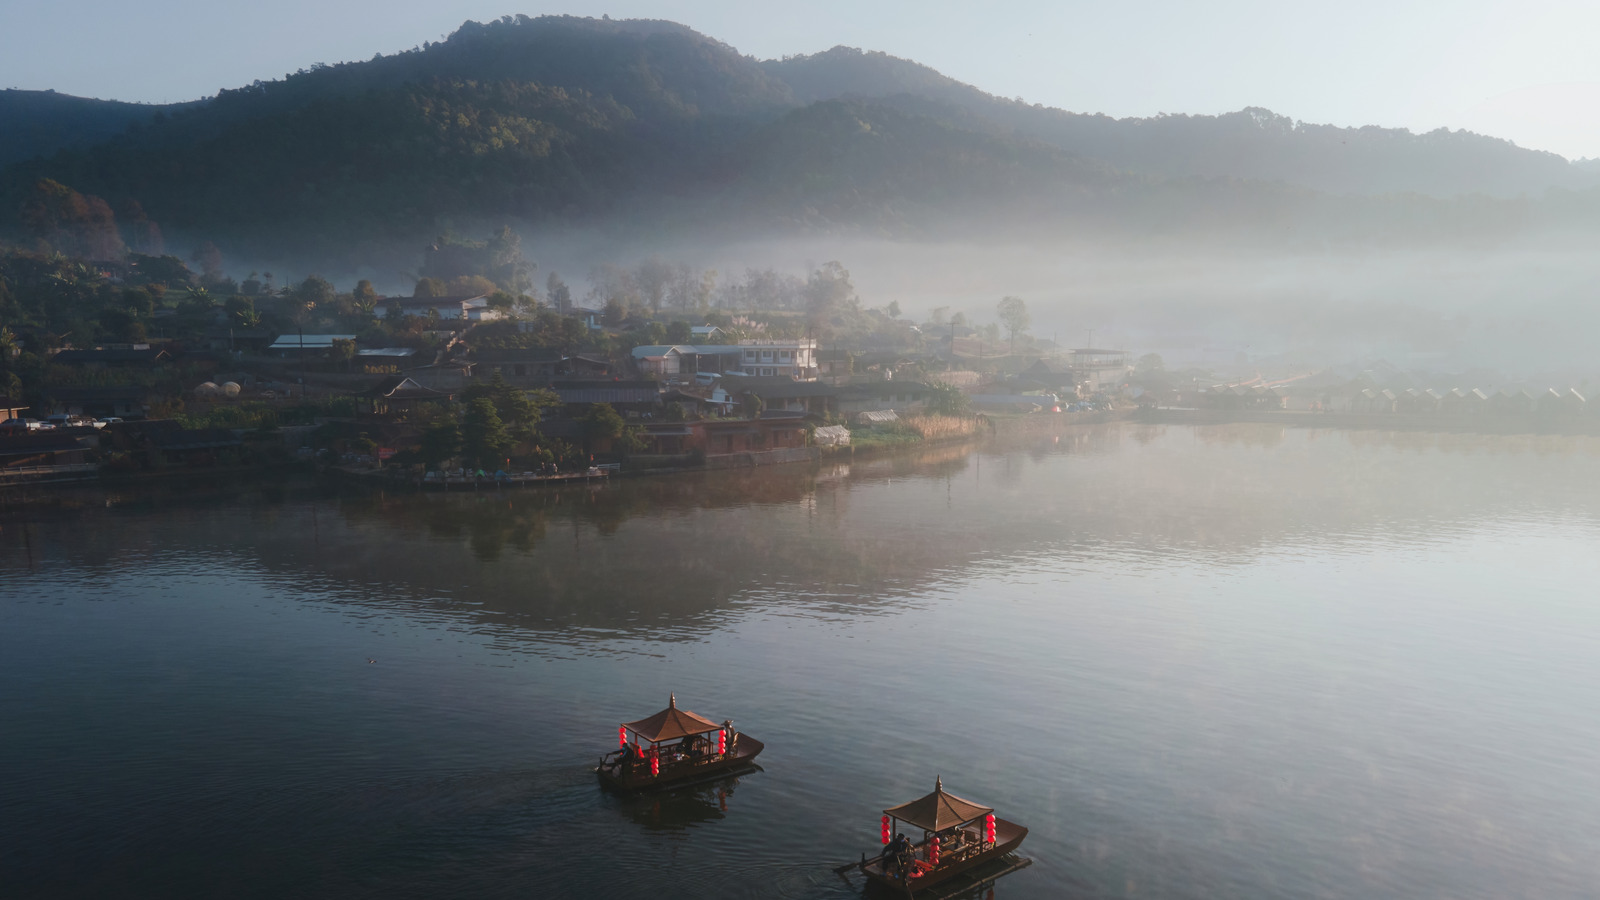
{"x": 722, "y": 741}
{"x": 622, "y": 737}
{"x": 933, "y": 852}
{"x": 988, "y": 828}
{"x": 655, "y": 765}
{"x": 886, "y": 829}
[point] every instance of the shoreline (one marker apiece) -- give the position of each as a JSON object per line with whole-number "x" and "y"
{"x": 1484, "y": 424}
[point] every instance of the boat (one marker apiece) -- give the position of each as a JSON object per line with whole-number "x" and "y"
{"x": 675, "y": 747}
{"x": 958, "y": 837}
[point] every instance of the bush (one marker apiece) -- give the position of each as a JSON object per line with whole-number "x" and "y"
{"x": 939, "y": 428}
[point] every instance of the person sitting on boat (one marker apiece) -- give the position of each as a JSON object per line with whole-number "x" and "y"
{"x": 690, "y": 746}
{"x": 897, "y": 853}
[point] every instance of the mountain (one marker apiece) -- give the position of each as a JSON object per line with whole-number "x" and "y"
{"x": 39, "y": 123}
{"x": 1251, "y": 143}
{"x": 566, "y": 121}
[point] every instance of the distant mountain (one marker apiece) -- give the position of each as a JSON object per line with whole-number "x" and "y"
{"x": 571, "y": 121}
{"x": 39, "y": 123}
{"x": 1251, "y": 143}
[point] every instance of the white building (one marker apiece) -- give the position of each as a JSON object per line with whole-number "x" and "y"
{"x": 795, "y": 358}
{"x": 473, "y": 309}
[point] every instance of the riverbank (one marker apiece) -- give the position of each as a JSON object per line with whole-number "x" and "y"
{"x": 1484, "y": 424}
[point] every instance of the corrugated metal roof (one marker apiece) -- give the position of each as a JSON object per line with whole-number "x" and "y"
{"x": 606, "y": 394}
{"x": 308, "y": 341}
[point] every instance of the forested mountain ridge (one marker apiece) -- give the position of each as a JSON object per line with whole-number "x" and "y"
{"x": 592, "y": 122}
{"x": 35, "y": 123}
{"x": 1251, "y": 143}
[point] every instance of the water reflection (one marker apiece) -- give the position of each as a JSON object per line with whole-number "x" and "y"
{"x": 672, "y": 556}
{"x": 683, "y": 808}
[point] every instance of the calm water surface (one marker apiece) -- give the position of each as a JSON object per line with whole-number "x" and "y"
{"x": 1235, "y": 662}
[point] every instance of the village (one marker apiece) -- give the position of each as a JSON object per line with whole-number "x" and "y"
{"x": 725, "y": 396}
{"x": 474, "y": 392}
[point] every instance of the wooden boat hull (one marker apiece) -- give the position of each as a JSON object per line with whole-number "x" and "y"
{"x": 1008, "y": 836}
{"x": 638, "y": 778}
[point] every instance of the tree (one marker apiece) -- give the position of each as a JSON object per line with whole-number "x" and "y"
{"x": 519, "y": 410}
{"x": 209, "y": 259}
{"x": 470, "y": 286}
{"x": 430, "y": 288}
{"x": 679, "y": 332}
{"x": 315, "y": 291}
{"x": 948, "y": 400}
{"x": 1014, "y": 313}
{"x": 484, "y": 441}
{"x": 828, "y": 290}
{"x": 893, "y": 309}
{"x": 653, "y": 276}
{"x": 364, "y": 298}
{"x": 603, "y": 421}
{"x": 440, "y": 442}
{"x": 343, "y": 350}
{"x": 498, "y": 260}
{"x": 72, "y": 223}
{"x": 558, "y": 294}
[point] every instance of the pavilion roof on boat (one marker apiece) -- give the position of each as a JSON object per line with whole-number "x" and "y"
{"x": 939, "y": 810}
{"x": 671, "y": 723}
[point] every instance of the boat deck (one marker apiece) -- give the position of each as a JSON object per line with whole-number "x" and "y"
{"x": 954, "y": 858}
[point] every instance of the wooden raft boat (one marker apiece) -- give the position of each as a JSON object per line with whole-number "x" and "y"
{"x": 675, "y": 747}
{"x": 957, "y": 837}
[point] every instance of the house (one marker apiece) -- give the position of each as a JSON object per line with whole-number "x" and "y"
{"x": 138, "y": 356}
{"x": 783, "y": 393}
{"x": 386, "y": 355}
{"x": 446, "y": 376}
{"x": 165, "y": 442}
{"x": 252, "y": 340}
{"x": 900, "y": 396}
{"x": 529, "y": 364}
{"x": 449, "y": 309}
{"x": 791, "y": 358}
{"x": 695, "y": 404}
{"x": 1099, "y": 370}
{"x": 729, "y": 437}
{"x": 124, "y": 402}
{"x": 706, "y": 332}
{"x": 298, "y": 344}
{"x": 40, "y": 449}
{"x": 1507, "y": 402}
{"x": 625, "y": 396}
{"x": 1562, "y": 404}
{"x": 661, "y": 360}
{"x": 1416, "y": 401}
{"x": 583, "y": 365}
{"x": 399, "y": 394}
{"x": 777, "y": 431}
{"x": 1047, "y": 374}
{"x": 11, "y": 409}
{"x": 834, "y": 364}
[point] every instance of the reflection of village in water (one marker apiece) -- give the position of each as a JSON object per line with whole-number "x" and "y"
{"x": 579, "y": 563}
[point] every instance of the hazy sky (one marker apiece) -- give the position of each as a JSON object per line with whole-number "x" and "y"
{"x": 1527, "y": 71}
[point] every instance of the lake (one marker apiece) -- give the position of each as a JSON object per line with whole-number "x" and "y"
{"x": 1226, "y": 661}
